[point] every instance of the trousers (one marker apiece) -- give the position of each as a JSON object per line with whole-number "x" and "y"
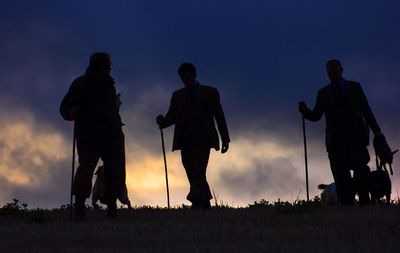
{"x": 112, "y": 152}
{"x": 195, "y": 160}
{"x": 343, "y": 160}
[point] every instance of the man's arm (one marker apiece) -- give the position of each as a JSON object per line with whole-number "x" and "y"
{"x": 169, "y": 118}
{"x": 221, "y": 122}
{"x": 316, "y": 113}
{"x": 382, "y": 148}
{"x": 367, "y": 113}
{"x": 70, "y": 105}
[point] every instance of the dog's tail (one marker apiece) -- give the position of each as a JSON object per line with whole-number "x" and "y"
{"x": 322, "y": 186}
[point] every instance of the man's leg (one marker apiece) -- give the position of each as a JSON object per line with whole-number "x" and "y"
{"x": 114, "y": 172}
{"x": 88, "y": 158}
{"x": 342, "y": 177}
{"x": 187, "y": 162}
{"x": 362, "y": 178}
{"x": 362, "y": 173}
{"x": 195, "y": 161}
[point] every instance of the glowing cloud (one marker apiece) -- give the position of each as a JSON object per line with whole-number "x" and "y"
{"x": 29, "y": 152}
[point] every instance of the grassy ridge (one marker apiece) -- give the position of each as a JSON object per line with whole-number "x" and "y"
{"x": 260, "y": 227}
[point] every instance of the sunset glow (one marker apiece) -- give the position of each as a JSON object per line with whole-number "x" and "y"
{"x": 262, "y": 56}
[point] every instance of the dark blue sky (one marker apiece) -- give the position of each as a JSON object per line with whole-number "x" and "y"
{"x": 263, "y": 56}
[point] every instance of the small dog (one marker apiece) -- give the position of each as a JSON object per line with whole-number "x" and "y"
{"x": 381, "y": 186}
{"x": 328, "y": 194}
{"x": 99, "y": 188}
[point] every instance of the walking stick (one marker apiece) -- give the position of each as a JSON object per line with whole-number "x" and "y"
{"x": 73, "y": 172}
{"x": 165, "y": 164}
{"x": 305, "y": 156}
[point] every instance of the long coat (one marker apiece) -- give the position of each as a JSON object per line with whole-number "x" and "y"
{"x": 210, "y": 109}
{"x": 99, "y": 109}
{"x": 358, "y": 103}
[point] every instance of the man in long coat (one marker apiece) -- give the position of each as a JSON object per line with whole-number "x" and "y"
{"x": 193, "y": 110}
{"x": 93, "y": 104}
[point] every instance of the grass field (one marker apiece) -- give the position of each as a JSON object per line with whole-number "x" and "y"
{"x": 261, "y": 227}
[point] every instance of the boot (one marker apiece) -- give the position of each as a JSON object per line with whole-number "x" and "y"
{"x": 112, "y": 208}
{"x": 79, "y": 214}
{"x": 206, "y": 205}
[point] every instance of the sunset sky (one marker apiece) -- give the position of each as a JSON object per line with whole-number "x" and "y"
{"x": 263, "y": 56}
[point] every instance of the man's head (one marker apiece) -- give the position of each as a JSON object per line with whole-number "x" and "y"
{"x": 187, "y": 73}
{"x": 334, "y": 70}
{"x": 100, "y": 63}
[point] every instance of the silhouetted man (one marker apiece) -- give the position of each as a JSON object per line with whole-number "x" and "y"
{"x": 348, "y": 119}
{"x": 193, "y": 110}
{"x": 93, "y": 104}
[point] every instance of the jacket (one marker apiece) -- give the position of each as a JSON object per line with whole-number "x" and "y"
{"x": 99, "y": 107}
{"x": 358, "y": 104}
{"x": 210, "y": 109}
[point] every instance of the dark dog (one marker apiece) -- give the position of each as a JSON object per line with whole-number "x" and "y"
{"x": 381, "y": 186}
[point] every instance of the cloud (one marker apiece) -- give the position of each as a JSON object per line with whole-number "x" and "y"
{"x": 28, "y": 153}
{"x": 260, "y": 166}
{"x": 265, "y": 177}
{"x": 33, "y": 156}
{"x": 261, "y": 61}
{"x": 36, "y": 160}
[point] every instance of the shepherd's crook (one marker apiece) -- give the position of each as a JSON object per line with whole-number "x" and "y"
{"x": 305, "y": 157}
{"x": 73, "y": 172}
{"x": 165, "y": 163}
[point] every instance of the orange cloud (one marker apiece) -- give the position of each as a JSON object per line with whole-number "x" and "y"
{"x": 24, "y": 147}
{"x": 146, "y": 177}
{"x": 255, "y": 167}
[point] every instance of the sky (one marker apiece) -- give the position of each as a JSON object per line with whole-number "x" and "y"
{"x": 263, "y": 56}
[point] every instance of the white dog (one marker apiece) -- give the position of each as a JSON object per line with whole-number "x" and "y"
{"x": 328, "y": 194}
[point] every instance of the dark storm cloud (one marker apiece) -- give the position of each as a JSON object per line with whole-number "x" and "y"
{"x": 264, "y": 56}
